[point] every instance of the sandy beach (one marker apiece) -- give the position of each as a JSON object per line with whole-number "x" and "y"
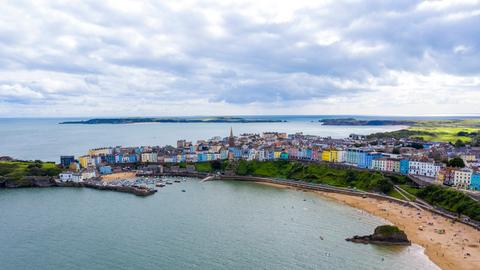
{"x": 457, "y": 248}
{"x": 117, "y": 176}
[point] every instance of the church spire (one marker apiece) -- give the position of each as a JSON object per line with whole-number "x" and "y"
{"x": 231, "y": 140}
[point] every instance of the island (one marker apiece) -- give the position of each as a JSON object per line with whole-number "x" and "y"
{"x": 384, "y": 235}
{"x": 356, "y": 122}
{"x": 134, "y": 120}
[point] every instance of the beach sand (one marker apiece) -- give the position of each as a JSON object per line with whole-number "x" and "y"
{"x": 117, "y": 176}
{"x": 449, "y": 251}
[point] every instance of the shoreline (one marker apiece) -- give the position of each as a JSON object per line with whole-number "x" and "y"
{"x": 448, "y": 251}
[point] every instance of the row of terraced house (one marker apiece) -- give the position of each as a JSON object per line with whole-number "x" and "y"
{"x": 280, "y": 146}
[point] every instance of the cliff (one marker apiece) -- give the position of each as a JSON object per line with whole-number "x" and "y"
{"x": 385, "y": 234}
{"x": 27, "y": 181}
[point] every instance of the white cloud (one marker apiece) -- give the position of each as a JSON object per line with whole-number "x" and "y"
{"x": 238, "y": 57}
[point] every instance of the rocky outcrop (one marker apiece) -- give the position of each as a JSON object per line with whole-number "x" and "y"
{"x": 28, "y": 181}
{"x": 385, "y": 235}
{"x": 46, "y": 181}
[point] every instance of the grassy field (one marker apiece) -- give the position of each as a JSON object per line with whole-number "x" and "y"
{"x": 17, "y": 169}
{"x": 447, "y": 130}
{"x": 438, "y": 130}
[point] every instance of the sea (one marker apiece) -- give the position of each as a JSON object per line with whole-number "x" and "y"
{"x": 211, "y": 225}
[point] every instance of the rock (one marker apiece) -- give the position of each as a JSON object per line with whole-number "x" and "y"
{"x": 29, "y": 181}
{"x": 385, "y": 234}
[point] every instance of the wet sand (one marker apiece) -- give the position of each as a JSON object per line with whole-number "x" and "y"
{"x": 457, "y": 248}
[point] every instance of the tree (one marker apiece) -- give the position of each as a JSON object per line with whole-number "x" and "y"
{"x": 350, "y": 177}
{"x": 242, "y": 167}
{"x": 216, "y": 165}
{"x": 459, "y": 143}
{"x": 384, "y": 186}
{"x": 416, "y": 145}
{"x": 456, "y": 162}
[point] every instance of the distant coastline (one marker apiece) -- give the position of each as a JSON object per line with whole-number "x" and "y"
{"x": 356, "y": 122}
{"x": 171, "y": 120}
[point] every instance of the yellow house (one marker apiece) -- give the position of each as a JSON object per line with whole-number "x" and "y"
{"x": 84, "y": 161}
{"x": 330, "y": 155}
{"x": 277, "y": 154}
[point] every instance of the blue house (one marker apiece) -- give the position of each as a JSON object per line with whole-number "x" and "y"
{"x": 353, "y": 156}
{"x": 105, "y": 170}
{"x": 201, "y": 157}
{"x": 66, "y": 160}
{"x": 365, "y": 159}
{"x": 132, "y": 158}
{"x": 223, "y": 154}
{"x": 475, "y": 181}
{"x": 404, "y": 166}
{"x": 308, "y": 153}
{"x": 237, "y": 153}
{"x": 110, "y": 159}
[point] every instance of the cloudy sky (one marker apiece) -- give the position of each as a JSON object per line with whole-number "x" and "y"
{"x": 156, "y": 58}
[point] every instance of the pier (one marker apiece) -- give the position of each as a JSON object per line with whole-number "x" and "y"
{"x": 138, "y": 191}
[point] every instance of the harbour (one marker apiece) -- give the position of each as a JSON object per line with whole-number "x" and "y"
{"x": 192, "y": 230}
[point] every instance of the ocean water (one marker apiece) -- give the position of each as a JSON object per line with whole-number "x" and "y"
{"x": 213, "y": 225}
{"x": 47, "y": 140}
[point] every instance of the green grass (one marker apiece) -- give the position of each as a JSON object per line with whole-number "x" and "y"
{"x": 203, "y": 167}
{"x": 436, "y": 130}
{"x": 444, "y": 134}
{"x": 394, "y": 193}
{"x": 316, "y": 173}
{"x": 387, "y": 230}
{"x": 412, "y": 190}
{"x": 16, "y": 170}
{"x": 451, "y": 200}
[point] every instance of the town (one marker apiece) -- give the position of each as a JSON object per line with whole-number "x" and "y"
{"x": 434, "y": 162}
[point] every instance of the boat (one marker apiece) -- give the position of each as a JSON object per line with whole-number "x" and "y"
{"x": 168, "y": 183}
{"x": 160, "y": 184}
{"x": 176, "y": 181}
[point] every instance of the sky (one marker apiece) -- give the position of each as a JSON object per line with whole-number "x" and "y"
{"x": 180, "y": 58}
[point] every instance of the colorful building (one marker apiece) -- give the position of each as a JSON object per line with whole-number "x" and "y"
{"x": 404, "y": 166}
{"x": 365, "y": 159}
{"x": 330, "y": 155}
{"x": 462, "y": 178}
{"x": 475, "y": 181}
{"x": 424, "y": 168}
{"x": 105, "y": 170}
{"x": 66, "y": 160}
{"x": 85, "y": 161}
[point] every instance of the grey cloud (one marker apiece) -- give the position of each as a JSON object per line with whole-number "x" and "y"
{"x": 166, "y": 53}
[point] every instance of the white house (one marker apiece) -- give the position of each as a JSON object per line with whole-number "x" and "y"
{"x": 462, "y": 177}
{"x": 66, "y": 176}
{"x": 340, "y": 156}
{"x": 379, "y": 164}
{"x": 88, "y": 174}
{"x": 424, "y": 168}
{"x": 151, "y": 157}
{"x": 77, "y": 177}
